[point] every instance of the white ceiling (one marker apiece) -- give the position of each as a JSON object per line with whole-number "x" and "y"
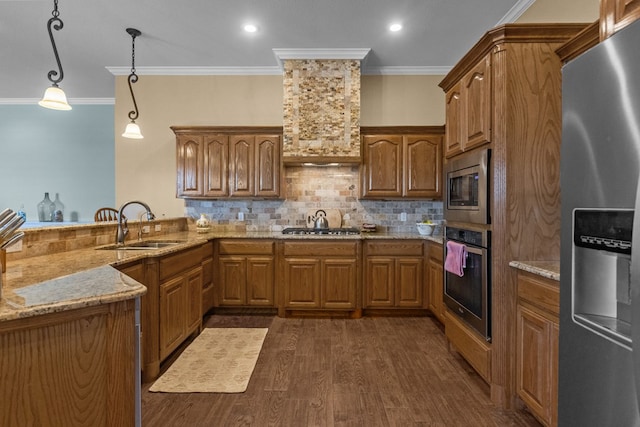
{"x": 206, "y": 37}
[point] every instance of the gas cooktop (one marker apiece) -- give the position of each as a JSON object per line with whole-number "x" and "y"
{"x": 322, "y": 231}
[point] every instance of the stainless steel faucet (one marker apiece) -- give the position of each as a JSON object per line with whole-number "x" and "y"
{"x": 123, "y": 230}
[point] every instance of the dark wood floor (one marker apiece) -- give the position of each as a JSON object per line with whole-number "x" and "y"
{"x": 374, "y": 371}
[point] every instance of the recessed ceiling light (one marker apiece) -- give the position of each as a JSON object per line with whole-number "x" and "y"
{"x": 250, "y": 28}
{"x": 395, "y": 27}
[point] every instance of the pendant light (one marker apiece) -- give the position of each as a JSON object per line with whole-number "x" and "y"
{"x": 133, "y": 130}
{"x": 54, "y": 97}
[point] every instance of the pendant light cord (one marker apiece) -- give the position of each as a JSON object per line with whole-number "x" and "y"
{"x": 58, "y": 26}
{"x": 133, "y": 77}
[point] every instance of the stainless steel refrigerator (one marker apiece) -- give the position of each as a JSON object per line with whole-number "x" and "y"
{"x": 599, "y": 353}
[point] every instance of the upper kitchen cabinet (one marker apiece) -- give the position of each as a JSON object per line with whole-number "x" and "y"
{"x": 402, "y": 162}
{"x": 468, "y": 110}
{"x": 617, "y": 14}
{"x": 228, "y": 162}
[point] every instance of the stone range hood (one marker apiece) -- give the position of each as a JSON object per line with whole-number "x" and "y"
{"x": 321, "y": 117}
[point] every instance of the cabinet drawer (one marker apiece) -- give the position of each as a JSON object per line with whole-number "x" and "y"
{"x": 393, "y": 248}
{"x": 435, "y": 251}
{"x": 171, "y": 265}
{"x": 540, "y": 292}
{"x": 324, "y": 248}
{"x": 246, "y": 247}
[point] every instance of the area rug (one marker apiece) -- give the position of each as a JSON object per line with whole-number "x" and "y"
{"x": 219, "y": 360}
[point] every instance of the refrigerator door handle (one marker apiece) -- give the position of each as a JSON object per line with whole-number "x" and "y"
{"x": 634, "y": 292}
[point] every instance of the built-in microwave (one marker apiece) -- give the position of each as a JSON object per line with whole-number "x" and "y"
{"x": 467, "y": 187}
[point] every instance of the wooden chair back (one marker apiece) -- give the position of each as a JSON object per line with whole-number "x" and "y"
{"x": 106, "y": 214}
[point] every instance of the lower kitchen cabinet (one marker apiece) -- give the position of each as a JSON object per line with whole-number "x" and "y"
{"x": 171, "y": 310}
{"x": 537, "y": 346}
{"x": 320, "y": 275}
{"x": 394, "y": 274}
{"x": 208, "y": 289}
{"x": 435, "y": 273}
{"x": 246, "y": 273}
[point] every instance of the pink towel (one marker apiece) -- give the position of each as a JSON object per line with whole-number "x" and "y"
{"x": 456, "y": 258}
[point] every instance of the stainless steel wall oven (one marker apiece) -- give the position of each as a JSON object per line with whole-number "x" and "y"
{"x": 469, "y": 296}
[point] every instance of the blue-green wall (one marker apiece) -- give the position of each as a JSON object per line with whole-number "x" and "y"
{"x": 66, "y": 152}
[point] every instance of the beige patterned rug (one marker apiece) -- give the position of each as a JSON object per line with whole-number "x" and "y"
{"x": 219, "y": 360}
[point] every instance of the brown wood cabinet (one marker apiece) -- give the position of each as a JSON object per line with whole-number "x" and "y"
{"x": 468, "y": 109}
{"x": 171, "y": 310}
{"x": 320, "y": 275}
{"x": 394, "y": 274}
{"x": 537, "y": 345}
{"x": 73, "y": 368}
{"x": 435, "y": 273}
{"x": 512, "y": 78}
{"x": 403, "y": 163}
{"x": 246, "y": 271}
{"x": 222, "y": 162}
{"x": 208, "y": 288}
{"x": 617, "y": 14}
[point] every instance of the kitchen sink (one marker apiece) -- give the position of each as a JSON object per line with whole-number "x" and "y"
{"x": 143, "y": 245}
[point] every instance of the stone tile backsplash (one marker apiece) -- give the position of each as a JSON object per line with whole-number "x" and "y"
{"x": 315, "y": 187}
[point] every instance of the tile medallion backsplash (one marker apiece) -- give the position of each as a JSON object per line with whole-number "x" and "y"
{"x": 315, "y": 187}
{"x": 321, "y": 108}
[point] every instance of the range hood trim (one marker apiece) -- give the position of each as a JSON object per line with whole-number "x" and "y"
{"x": 321, "y": 161}
{"x": 321, "y": 53}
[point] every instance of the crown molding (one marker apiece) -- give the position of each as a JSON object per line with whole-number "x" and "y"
{"x": 197, "y": 71}
{"x": 407, "y": 71}
{"x": 516, "y": 11}
{"x": 72, "y": 101}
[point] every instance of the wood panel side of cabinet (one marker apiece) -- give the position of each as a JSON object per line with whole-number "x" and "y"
{"x": 189, "y": 166}
{"x": 454, "y": 120}
{"x": 477, "y": 105}
{"x": 617, "y": 14}
{"x": 173, "y": 303}
{"x": 267, "y": 164}
{"x": 422, "y": 166}
{"x": 302, "y": 283}
{"x": 241, "y": 166}
{"x": 216, "y": 166}
{"x": 410, "y": 281}
{"x": 382, "y": 166}
{"x": 379, "y": 286}
{"x": 436, "y": 281}
{"x": 339, "y": 280}
{"x": 193, "y": 281}
{"x": 260, "y": 281}
{"x": 233, "y": 279}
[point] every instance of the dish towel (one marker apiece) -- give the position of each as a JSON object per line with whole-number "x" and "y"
{"x": 456, "y": 258}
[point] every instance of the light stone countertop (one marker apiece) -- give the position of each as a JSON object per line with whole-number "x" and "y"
{"x": 86, "y": 277}
{"x": 548, "y": 269}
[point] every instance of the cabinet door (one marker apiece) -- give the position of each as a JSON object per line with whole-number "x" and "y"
{"x": 302, "y": 283}
{"x": 409, "y": 282}
{"x": 208, "y": 290}
{"x": 242, "y": 166}
{"x": 423, "y": 166}
{"x": 189, "y": 166}
{"x": 453, "y": 141}
{"x": 260, "y": 272}
{"x": 267, "y": 163}
{"x": 379, "y": 286}
{"x": 339, "y": 283}
{"x": 173, "y": 303}
{"x": 233, "y": 279}
{"x": 617, "y": 14}
{"x": 436, "y": 288}
{"x": 193, "y": 283}
{"x": 533, "y": 382}
{"x": 216, "y": 169}
{"x": 477, "y": 105}
{"x": 382, "y": 175}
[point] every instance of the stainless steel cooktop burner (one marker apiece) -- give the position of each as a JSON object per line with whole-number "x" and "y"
{"x": 322, "y": 231}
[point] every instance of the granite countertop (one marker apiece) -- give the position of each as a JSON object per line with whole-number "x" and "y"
{"x": 548, "y": 269}
{"x": 85, "y": 277}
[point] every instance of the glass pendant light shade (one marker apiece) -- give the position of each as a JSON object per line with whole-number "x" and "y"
{"x": 55, "y": 99}
{"x": 132, "y": 131}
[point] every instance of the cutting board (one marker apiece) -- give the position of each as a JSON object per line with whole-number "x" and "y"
{"x": 334, "y": 217}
